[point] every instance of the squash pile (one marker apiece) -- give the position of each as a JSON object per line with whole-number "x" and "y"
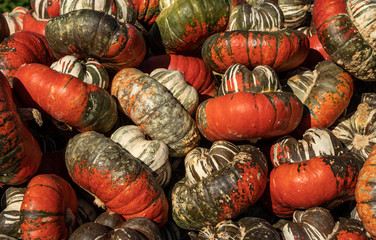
{"x": 188, "y": 119}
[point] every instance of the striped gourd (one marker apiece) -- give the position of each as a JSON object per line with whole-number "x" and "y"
{"x": 267, "y": 16}
{"x": 15, "y": 19}
{"x": 122, "y": 9}
{"x": 316, "y": 142}
{"x": 10, "y": 216}
{"x": 239, "y": 78}
{"x": 358, "y": 131}
{"x": 362, "y": 13}
{"x": 175, "y": 82}
{"x": 201, "y": 162}
{"x": 40, "y": 8}
{"x": 153, "y": 153}
{"x": 91, "y": 71}
{"x": 165, "y": 4}
{"x": 295, "y": 12}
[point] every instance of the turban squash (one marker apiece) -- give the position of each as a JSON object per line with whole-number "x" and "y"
{"x": 66, "y": 98}
{"x": 88, "y": 33}
{"x": 20, "y": 152}
{"x": 345, "y": 30}
{"x": 220, "y": 184}
{"x": 118, "y": 180}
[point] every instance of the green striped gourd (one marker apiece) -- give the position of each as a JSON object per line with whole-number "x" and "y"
{"x": 174, "y": 81}
{"x": 153, "y": 153}
{"x": 295, "y": 12}
{"x": 122, "y": 9}
{"x": 91, "y": 71}
{"x": 165, "y": 4}
{"x": 265, "y": 17}
{"x": 10, "y": 216}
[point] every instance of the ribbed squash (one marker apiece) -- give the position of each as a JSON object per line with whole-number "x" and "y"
{"x": 315, "y": 142}
{"x": 15, "y": 19}
{"x": 295, "y": 12}
{"x": 88, "y": 33}
{"x": 32, "y": 23}
{"x": 153, "y": 153}
{"x": 282, "y": 50}
{"x": 119, "y": 181}
{"x": 365, "y": 194}
{"x": 183, "y": 27}
{"x": 49, "y": 208}
{"x": 318, "y": 223}
{"x": 20, "y": 153}
{"x": 66, "y": 98}
{"x": 10, "y": 215}
{"x": 357, "y": 131}
{"x": 194, "y": 69}
{"x": 222, "y": 193}
{"x": 326, "y": 92}
{"x": 122, "y": 9}
{"x": 245, "y": 228}
{"x": 147, "y": 11}
{"x": 153, "y": 108}
{"x": 264, "y": 17}
{"x": 23, "y": 47}
{"x": 89, "y": 71}
{"x": 175, "y": 82}
{"x": 346, "y": 29}
{"x": 45, "y": 9}
{"x": 321, "y": 181}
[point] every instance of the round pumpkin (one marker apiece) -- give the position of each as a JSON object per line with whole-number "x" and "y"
{"x": 49, "y": 208}
{"x": 282, "y": 50}
{"x": 20, "y": 152}
{"x": 118, "y": 181}
{"x": 66, "y": 98}
{"x": 345, "y": 30}
{"x": 89, "y": 33}
{"x": 153, "y": 108}
{"x": 221, "y": 193}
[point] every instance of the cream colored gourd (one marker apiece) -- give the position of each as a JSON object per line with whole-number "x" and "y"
{"x": 153, "y": 153}
{"x": 174, "y": 81}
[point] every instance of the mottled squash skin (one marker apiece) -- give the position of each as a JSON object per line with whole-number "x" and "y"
{"x": 119, "y": 181}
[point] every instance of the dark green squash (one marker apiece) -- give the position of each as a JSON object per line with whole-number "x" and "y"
{"x": 88, "y": 33}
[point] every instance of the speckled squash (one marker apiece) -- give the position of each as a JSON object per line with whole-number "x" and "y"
{"x": 194, "y": 69}
{"x": 15, "y": 19}
{"x": 10, "y": 215}
{"x": 315, "y": 142}
{"x": 345, "y": 29}
{"x": 153, "y": 108}
{"x": 83, "y": 106}
{"x": 122, "y": 9}
{"x": 282, "y": 50}
{"x": 223, "y": 194}
{"x": 97, "y": 35}
{"x": 239, "y": 78}
{"x": 147, "y": 11}
{"x": 365, "y": 194}
{"x": 49, "y": 208}
{"x": 89, "y": 71}
{"x": 23, "y": 47}
{"x": 183, "y": 27}
{"x": 20, "y": 152}
{"x": 326, "y": 92}
{"x": 321, "y": 181}
{"x": 248, "y": 116}
{"x": 153, "y": 153}
{"x": 357, "y": 131}
{"x": 265, "y": 17}
{"x": 118, "y": 181}
{"x": 175, "y": 82}
{"x": 245, "y": 228}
